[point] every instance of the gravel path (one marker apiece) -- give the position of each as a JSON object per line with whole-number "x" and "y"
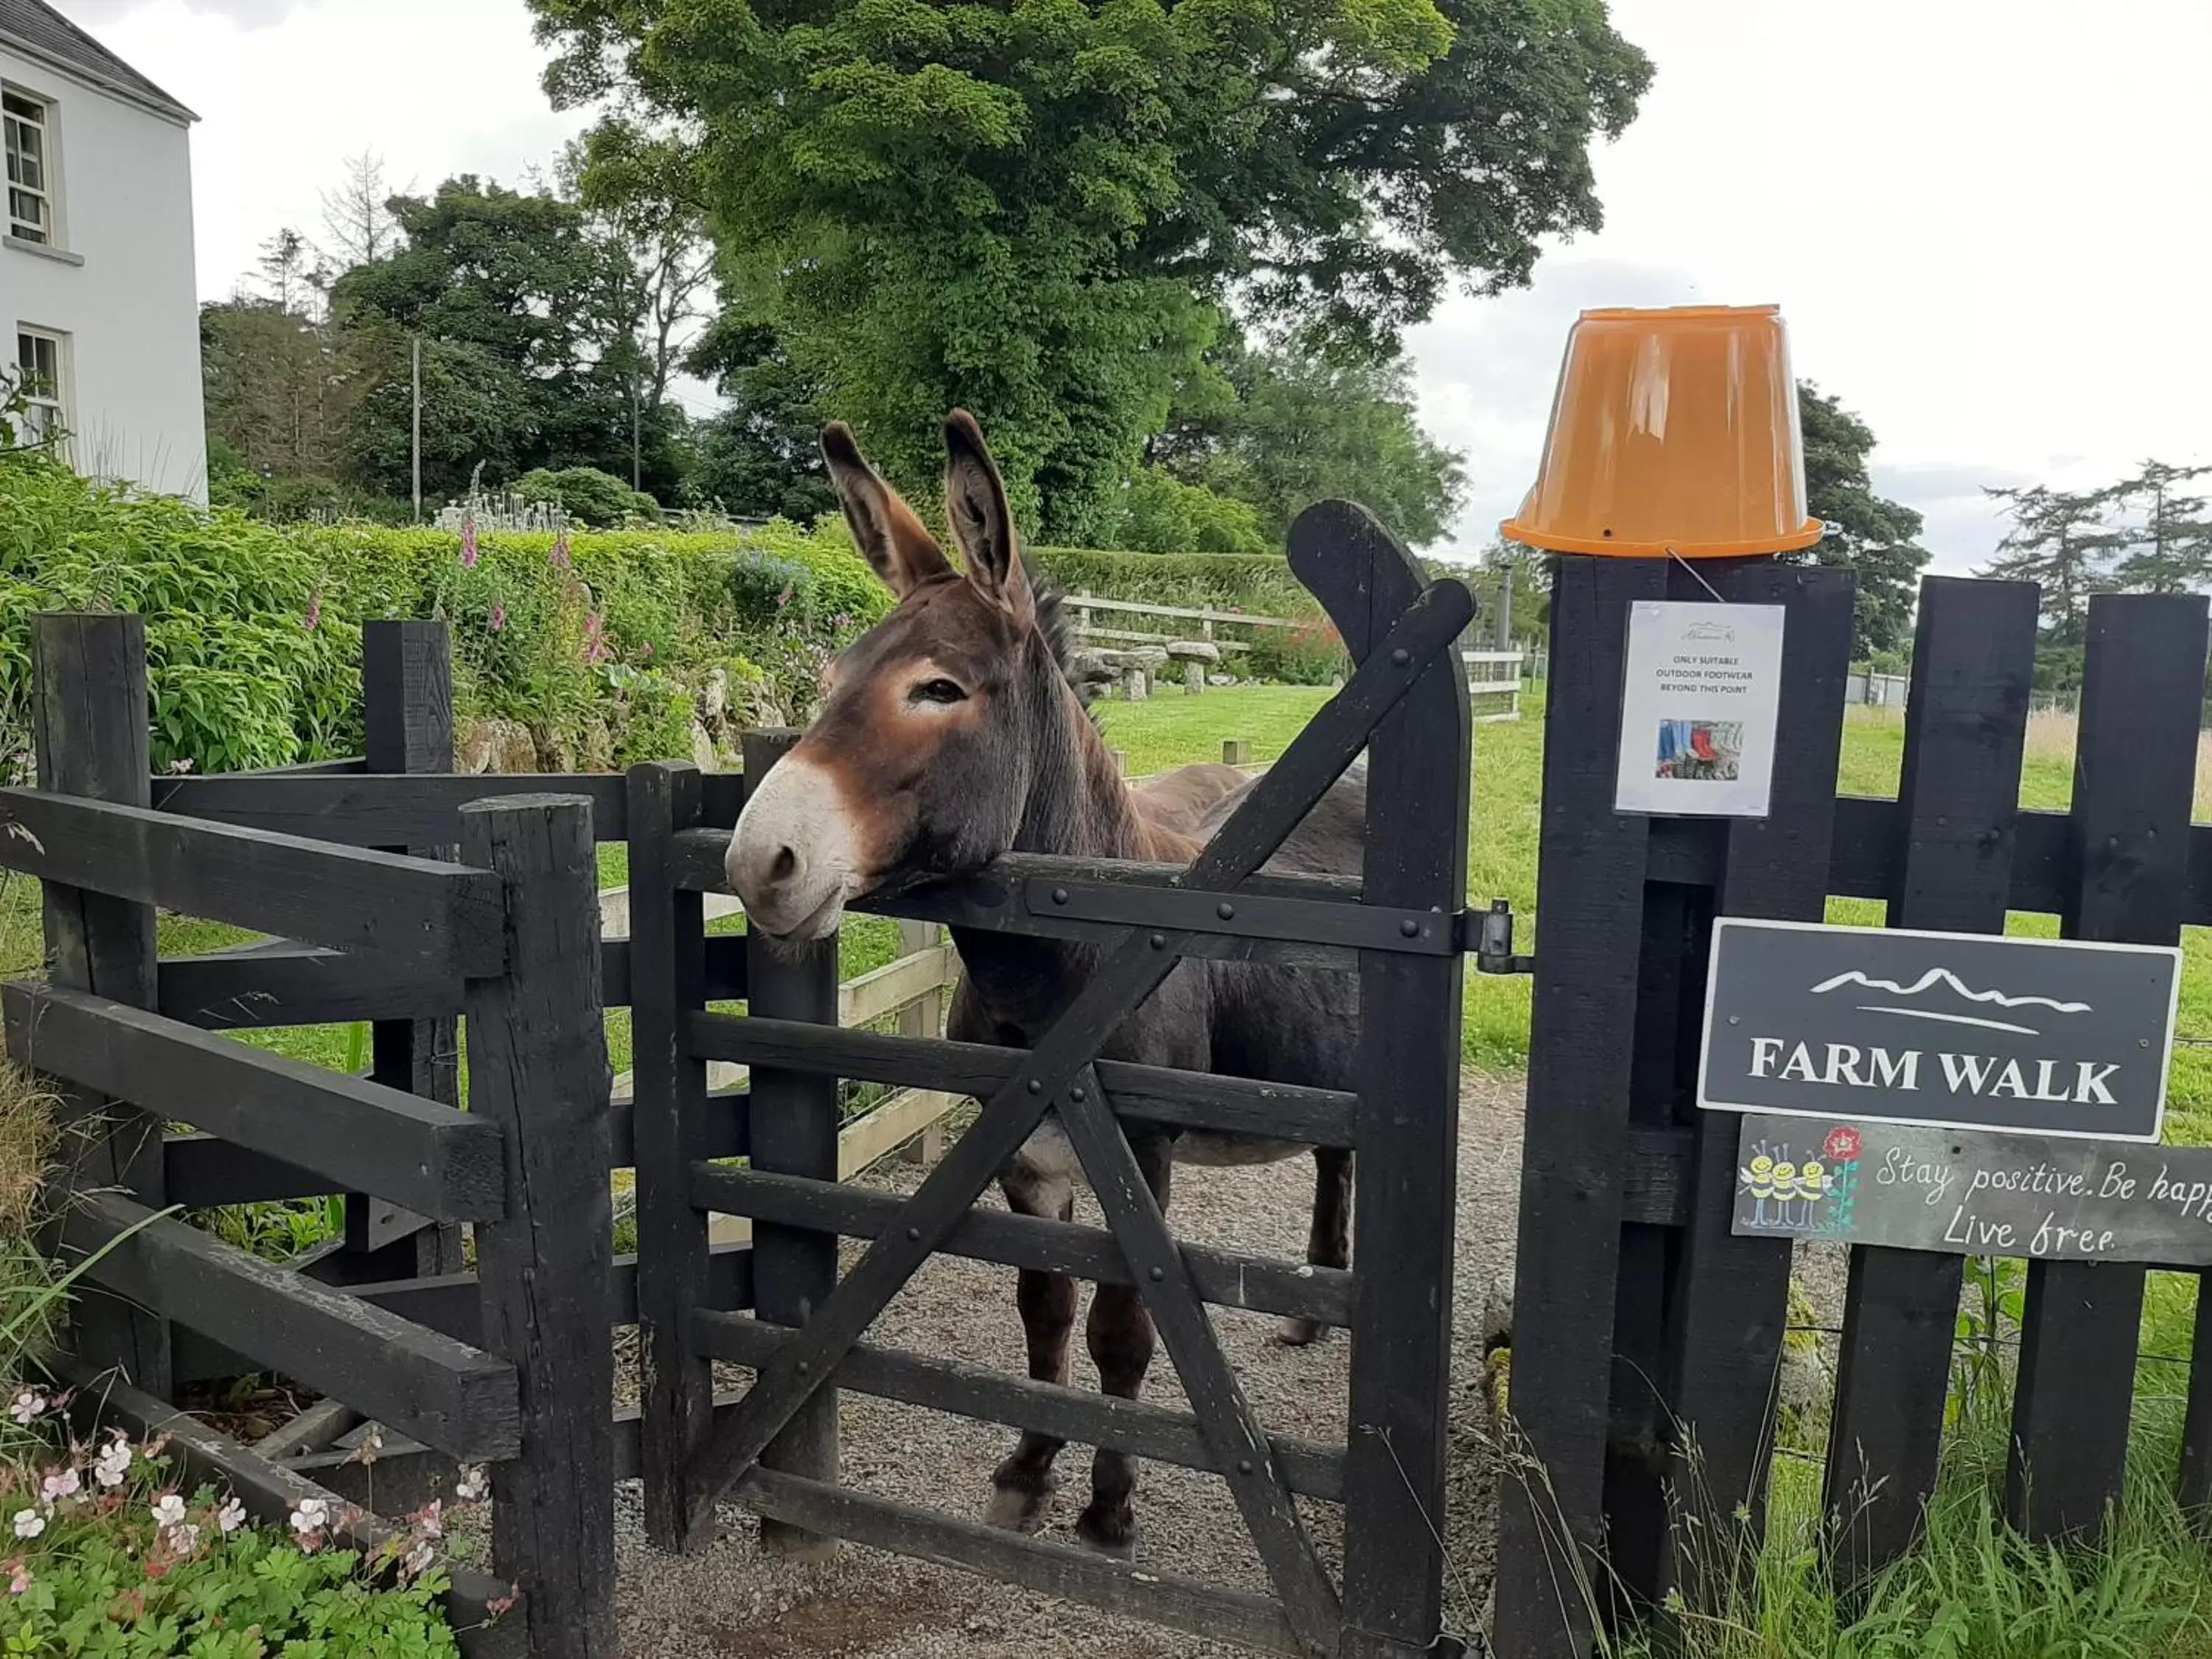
{"x": 732, "y": 1602}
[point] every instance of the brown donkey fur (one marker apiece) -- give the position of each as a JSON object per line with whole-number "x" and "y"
{"x": 952, "y": 733}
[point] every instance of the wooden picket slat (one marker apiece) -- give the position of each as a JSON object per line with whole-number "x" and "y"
{"x": 1591, "y": 894}
{"x": 451, "y": 1395}
{"x": 440, "y": 917}
{"x": 384, "y": 808}
{"x": 1966, "y": 733}
{"x": 438, "y": 1161}
{"x": 1729, "y": 1295}
{"x": 2135, "y": 777}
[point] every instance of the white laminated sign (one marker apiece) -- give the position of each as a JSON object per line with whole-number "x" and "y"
{"x": 1699, "y": 709}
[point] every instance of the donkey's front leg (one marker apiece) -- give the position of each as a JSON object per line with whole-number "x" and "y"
{"x": 1022, "y": 1487}
{"x": 1329, "y": 1243}
{"x": 1121, "y": 1334}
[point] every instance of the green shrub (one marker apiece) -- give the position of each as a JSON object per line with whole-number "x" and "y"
{"x": 250, "y": 666}
{"x": 1158, "y": 513}
{"x": 597, "y": 499}
{"x": 1311, "y": 654}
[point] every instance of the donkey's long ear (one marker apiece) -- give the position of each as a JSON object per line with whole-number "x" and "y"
{"x": 891, "y": 537}
{"x": 983, "y": 523}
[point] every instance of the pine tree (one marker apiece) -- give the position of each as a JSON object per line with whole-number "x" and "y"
{"x": 2062, "y": 539}
{"x": 2171, "y": 551}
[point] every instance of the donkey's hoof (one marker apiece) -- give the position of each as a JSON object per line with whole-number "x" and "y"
{"x": 1019, "y": 1503}
{"x": 1112, "y": 1534}
{"x": 1300, "y": 1333}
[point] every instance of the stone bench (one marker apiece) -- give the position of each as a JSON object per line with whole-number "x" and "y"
{"x": 1196, "y": 656}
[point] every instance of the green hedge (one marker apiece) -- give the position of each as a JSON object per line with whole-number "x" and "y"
{"x": 1239, "y": 581}
{"x": 596, "y": 642}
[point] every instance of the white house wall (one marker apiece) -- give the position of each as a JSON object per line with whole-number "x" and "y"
{"x": 131, "y": 309}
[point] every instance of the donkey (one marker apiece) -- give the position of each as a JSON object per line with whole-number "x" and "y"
{"x": 951, "y": 733}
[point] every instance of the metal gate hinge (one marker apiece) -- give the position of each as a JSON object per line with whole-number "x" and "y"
{"x": 1487, "y": 936}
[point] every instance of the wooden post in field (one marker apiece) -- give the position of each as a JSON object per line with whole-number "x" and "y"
{"x": 1236, "y": 751}
{"x": 795, "y": 1131}
{"x": 407, "y": 706}
{"x": 538, "y": 1067}
{"x": 923, "y": 1017}
{"x": 92, "y": 737}
{"x": 668, "y": 970}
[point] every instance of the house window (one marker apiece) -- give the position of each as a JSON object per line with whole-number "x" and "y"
{"x": 30, "y": 166}
{"x": 43, "y": 421}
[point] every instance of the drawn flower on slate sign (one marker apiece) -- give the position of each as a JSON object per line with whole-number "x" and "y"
{"x": 1842, "y": 1144}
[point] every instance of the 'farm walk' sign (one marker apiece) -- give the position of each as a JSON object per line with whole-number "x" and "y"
{"x": 1973, "y": 1192}
{"x": 2053, "y": 1037}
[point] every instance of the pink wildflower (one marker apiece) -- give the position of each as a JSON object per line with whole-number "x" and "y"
{"x": 19, "y": 1577}
{"x": 315, "y": 611}
{"x": 559, "y": 560}
{"x": 595, "y": 642}
{"x": 469, "y": 545}
{"x": 498, "y": 618}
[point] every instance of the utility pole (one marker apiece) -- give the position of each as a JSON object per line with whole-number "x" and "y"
{"x": 418, "y": 429}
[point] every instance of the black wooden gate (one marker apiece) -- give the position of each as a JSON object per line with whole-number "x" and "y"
{"x": 1646, "y": 1337}
{"x": 1400, "y": 931}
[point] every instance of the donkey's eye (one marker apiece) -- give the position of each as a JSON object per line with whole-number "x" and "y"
{"x": 938, "y": 692}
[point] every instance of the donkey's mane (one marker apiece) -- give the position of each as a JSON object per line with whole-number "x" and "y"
{"x": 1059, "y": 633}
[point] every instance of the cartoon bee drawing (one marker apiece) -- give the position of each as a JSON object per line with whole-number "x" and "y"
{"x": 1812, "y": 1183}
{"x": 1759, "y": 1176}
{"x": 1785, "y": 1186}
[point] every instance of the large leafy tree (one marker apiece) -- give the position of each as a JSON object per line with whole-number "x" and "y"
{"x": 1281, "y": 429}
{"x": 1034, "y": 210}
{"x": 528, "y": 311}
{"x": 761, "y": 455}
{"x": 1875, "y": 537}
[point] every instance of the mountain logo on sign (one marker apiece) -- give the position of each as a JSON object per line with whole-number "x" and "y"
{"x": 1945, "y": 978}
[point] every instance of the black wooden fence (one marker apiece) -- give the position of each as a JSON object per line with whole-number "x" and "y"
{"x": 511, "y": 1362}
{"x": 1646, "y": 1337}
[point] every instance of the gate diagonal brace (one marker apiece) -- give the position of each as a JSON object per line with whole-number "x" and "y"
{"x": 1278, "y": 803}
{"x": 1232, "y": 1429}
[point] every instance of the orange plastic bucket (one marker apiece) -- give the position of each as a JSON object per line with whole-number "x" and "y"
{"x": 1672, "y": 430}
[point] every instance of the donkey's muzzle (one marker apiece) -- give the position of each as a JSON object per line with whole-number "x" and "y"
{"x": 790, "y": 859}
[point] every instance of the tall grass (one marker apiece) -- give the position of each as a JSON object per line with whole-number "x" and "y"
{"x": 1971, "y": 1588}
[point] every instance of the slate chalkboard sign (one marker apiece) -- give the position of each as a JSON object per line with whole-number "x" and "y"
{"x": 1973, "y": 1192}
{"x": 2045, "y": 1036}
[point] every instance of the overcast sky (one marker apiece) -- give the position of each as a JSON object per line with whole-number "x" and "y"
{"x": 1987, "y": 221}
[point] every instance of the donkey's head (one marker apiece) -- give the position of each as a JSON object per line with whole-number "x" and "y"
{"x": 923, "y": 757}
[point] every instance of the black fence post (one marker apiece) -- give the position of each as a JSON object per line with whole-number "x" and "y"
{"x": 795, "y": 1131}
{"x": 1966, "y": 731}
{"x": 407, "y": 698}
{"x": 667, "y": 977}
{"x": 538, "y": 1066}
{"x": 1406, "y": 1192}
{"x": 1728, "y": 1302}
{"x": 93, "y": 738}
{"x": 1583, "y": 1071}
{"x": 2134, "y": 775}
